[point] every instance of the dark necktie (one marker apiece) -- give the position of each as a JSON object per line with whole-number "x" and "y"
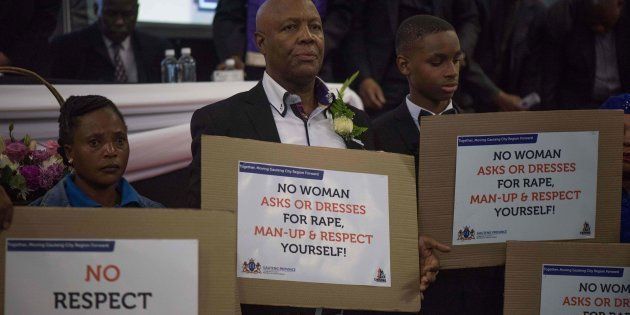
{"x": 119, "y": 74}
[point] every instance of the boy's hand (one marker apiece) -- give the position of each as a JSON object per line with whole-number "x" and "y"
{"x": 429, "y": 262}
{"x": 6, "y": 210}
{"x": 371, "y": 94}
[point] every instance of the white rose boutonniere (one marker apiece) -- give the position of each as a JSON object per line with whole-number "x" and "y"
{"x": 342, "y": 115}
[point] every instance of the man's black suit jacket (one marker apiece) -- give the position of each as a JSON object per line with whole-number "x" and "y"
{"x": 245, "y": 115}
{"x": 82, "y": 55}
{"x": 396, "y": 132}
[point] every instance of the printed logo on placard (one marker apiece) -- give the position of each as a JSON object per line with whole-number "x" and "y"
{"x": 251, "y": 267}
{"x": 466, "y": 234}
{"x": 380, "y": 275}
{"x": 586, "y": 229}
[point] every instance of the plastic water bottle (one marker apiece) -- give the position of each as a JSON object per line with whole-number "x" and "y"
{"x": 187, "y": 67}
{"x": 169, "y": 67}
{"x": 230, "y": 64}
{"x": 229, "y": 74}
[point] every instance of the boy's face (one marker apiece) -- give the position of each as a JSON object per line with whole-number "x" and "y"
{"x": 432, "y": 64}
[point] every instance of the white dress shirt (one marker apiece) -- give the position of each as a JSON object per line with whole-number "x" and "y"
{"x": 415, "y": 110}
{"x": 127, "y": 57}
{"x": 317, "y": 131}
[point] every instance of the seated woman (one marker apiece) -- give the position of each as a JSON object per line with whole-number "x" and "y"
{"x": 622, "y": 102}
{"x": 93, "y": 141}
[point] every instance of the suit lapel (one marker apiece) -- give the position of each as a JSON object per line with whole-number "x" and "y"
{"x": 98, "y": 44}
{"x": 260, "y": 115}
{"x": 407, "y": 128}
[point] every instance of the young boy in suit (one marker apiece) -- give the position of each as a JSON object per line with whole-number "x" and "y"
{"x": 429, "y": 56}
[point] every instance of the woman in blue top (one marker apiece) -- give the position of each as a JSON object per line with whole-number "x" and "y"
{"x": 622, "y": 102}
{"x": 93, "y": 141}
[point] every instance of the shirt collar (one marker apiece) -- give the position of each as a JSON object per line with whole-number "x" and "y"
{"x": 276, "y": 93}
{"x": 77, "y": 198}
{"x": 415, "y": 110}
{"x": 124, "y": 45}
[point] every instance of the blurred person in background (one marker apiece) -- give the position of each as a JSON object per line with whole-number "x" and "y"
{"x": 25, "y": 26}
{"x": 111, "y": 49}
{"x": 586, "y": 49}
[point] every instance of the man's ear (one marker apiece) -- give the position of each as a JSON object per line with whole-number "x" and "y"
{"x": 260, "y": 42}
{"x": 403, "y": 64}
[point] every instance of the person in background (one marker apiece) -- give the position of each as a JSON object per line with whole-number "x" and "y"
{"x": 505, "y": 67}
{"x": 25, "y": 26}
{"x": 586, "y": 51}
{"x": 110, "y": 50}
{"x": 93, "y": 142}
{"x": 622, "y": 102}
{"x": 371, "y": 48}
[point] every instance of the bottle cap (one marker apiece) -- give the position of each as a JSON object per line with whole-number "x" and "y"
{"x": 230, "y": 62}
{"x": 185, "y": 51}
{"x": 169, "y": 53}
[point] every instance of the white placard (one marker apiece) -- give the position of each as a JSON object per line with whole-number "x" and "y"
{"x": 309, "y": 225}
{"x": 61, "y": 276}
{"x": 585, "y": 290}
{"x": 527, "y": 187}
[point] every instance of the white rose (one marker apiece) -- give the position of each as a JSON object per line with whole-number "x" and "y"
{"x": 343, "y": 126}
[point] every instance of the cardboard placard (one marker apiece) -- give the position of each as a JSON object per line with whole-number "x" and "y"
{"x": 523, "y": 268}
{"x": 436, "y": 182}
{"x": 220, "y": 167}
{"x": 217, "y": 287}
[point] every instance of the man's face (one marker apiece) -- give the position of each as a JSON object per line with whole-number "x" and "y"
{"x": 432, "y": 65}
{"x": 606, "y": 14}
{"x": 99, "y": 149}
{"x": 117, "y": 18}
{"x": 292, "y": 40}
{"x": 626, "y": 146}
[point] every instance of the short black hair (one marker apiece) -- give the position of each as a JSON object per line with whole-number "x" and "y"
{"x": 75, "y": 107}
{"x": 417, "y": 27}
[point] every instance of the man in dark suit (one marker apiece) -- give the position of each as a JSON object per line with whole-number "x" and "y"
{"x": 587, "y": 53}
{"x": 504, "y": 66}
{"x": 289, "y": 105}
{"x": 430, "y": 57}
{"x": 110, "y": 50}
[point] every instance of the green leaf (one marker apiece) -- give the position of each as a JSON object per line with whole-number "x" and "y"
{"x": 27, "y": 140}
{"x": 347, "y": 83}
{"x": 358, "y": 131}
{"x": 17, "y": 182}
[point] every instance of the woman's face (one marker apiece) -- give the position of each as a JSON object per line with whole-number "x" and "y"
{"x": 99, "y": 149}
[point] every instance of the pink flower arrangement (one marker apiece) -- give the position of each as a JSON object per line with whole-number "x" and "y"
{"x": 28, "y": 169}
